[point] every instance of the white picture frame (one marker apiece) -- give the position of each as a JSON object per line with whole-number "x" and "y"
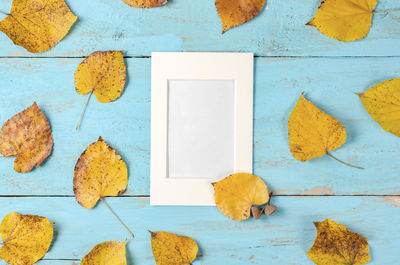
{"x": 207, "y": 69}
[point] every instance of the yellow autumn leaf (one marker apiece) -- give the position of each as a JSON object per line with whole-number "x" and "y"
{"x": 103, "y": 74}
{"x": 313, "y": 133}
{"x": 27, "y": 136}
{"x": 171, "y": 249}
{"x": 100, "y": 172}
{"x": 344, "y": 20}
{"x": 383, "y": 104}
{"x": 106, "y": 253}
{"x": 236, "y": 12}
{"x": 145, "y": 3}
{"x": 38, "y": 25}
{"x": 237, "y": 193}
{"x": 335, "y": 244}
{"x": 26, "y": 238}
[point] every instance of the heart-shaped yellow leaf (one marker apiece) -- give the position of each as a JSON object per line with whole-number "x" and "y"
{"x": 171, "y": 249}
{"x": 27, "y": 136}
{"x": 100, "y": 172}
{"x": 312, "y": 132}
{"x": 237, "y": 193}
{"x": 145, "y": 3}
{"x": 335, "y": 244}
{"x": 106, "y": 253}
{"x": 236, "y": 12}
{"x": 38, "y": 25}
{"x": 344, "y": 20}
{"x": 383, "y": 104}
{"x": 26, "y": 238}
{"x": 104, "y": 74}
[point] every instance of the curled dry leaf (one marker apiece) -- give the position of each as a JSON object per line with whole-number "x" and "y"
{"x": 383, "y": 104}
{"x": 344, "y": 20}
{"x": 237, "y": 193}
{"x": 146, "y": 3}
{"x": 106, "y": 253}
{"x": 270, "y": 209}
{"x": 256, "y": 212}
{"x": 99, "y": 172}
{"x": 171, "y": 249}
{"x": 38, "y": 25}
{"x": 27, "y": 136}
{"x": 335, "y": 244}
{"x": 313, "y": 133}
{"x": 26, "y": 238}
{"x": 236, "y": 12}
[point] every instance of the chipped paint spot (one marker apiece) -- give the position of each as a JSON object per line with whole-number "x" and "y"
{"x": 393, "y": 200}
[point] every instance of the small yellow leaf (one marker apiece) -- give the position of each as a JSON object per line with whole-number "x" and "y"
{"x": 104, "y": 74}
{"x": 145, "y": 3}
{"x": 99, "y": 172}
{"x": 237, "y": 193}
{"x": 26, "y": 238}
{"x": 106, "y": 253}
{"x": 383, "y": 104}
{"x": 27, "y": 136}
{"x": 344, "y": 20}
{"x": 312, "y": 132}
{"x": 236, "y": 12}
{"x": 38, "y": 25}
{"x": 337, "y": 245}
{"x": 171, "y": 249}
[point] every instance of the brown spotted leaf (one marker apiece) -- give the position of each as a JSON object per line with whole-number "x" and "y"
{"x": 171, "y": 249}
{"x": 27, "y": 136}
{"x": 106, "y": 253}
{"x": 145, "y": 3}
{"x": 236, "y": 12}
{"x": 99, "y": 172}
{"x": 38, "y": 25}
{"x": 26, "y": 238}
{"x": 335, "y": 244}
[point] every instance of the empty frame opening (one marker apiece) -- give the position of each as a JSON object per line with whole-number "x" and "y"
{"x": 201, "y": 128}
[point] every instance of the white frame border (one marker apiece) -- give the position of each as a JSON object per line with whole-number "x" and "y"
{"x": 197, "y": 66}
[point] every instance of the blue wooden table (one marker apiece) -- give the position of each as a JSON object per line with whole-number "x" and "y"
{"x": 290, "y": 58}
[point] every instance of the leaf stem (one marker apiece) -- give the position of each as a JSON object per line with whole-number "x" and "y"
{"x": 83, "y": 110}
{"x": 116, "y": 216}
{"x": 4, "y": 13}
{"x": 347, "y": 164}
{"x": 385, "y": 11}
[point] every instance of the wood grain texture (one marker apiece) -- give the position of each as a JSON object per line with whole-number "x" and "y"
{"x": 125, "y": 124}
{"x": 282, "y": 238}
{"x": 183, "y": 25}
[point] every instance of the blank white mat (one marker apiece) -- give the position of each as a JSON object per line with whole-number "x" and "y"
{"x": 201, "y": 126}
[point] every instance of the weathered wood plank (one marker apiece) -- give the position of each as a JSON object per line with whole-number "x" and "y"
{"x": 194, "y": 26}
{"x": 125, "y": 124}
{"x": 282, "y": 238}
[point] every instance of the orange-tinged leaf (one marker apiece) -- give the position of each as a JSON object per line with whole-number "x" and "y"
{"x": 312, "y": 132}
{"x": 236, "y": 12}
{"x": 106, "y": 253}
{"x": 38, "y": 25}
{"x": 344, "y": 20}
{"x": 146, "y": 3}
{"x": 383, "y": 104}
{"x": 99, "y": 172}
{"x": 26, "y": 238}
{"x": 335, "y": 244}
{"x": 171, "y": 249}
{"x": 237, "y": 193}
{"x": 27, "y": 136}
{"x": 104, "y": 74}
